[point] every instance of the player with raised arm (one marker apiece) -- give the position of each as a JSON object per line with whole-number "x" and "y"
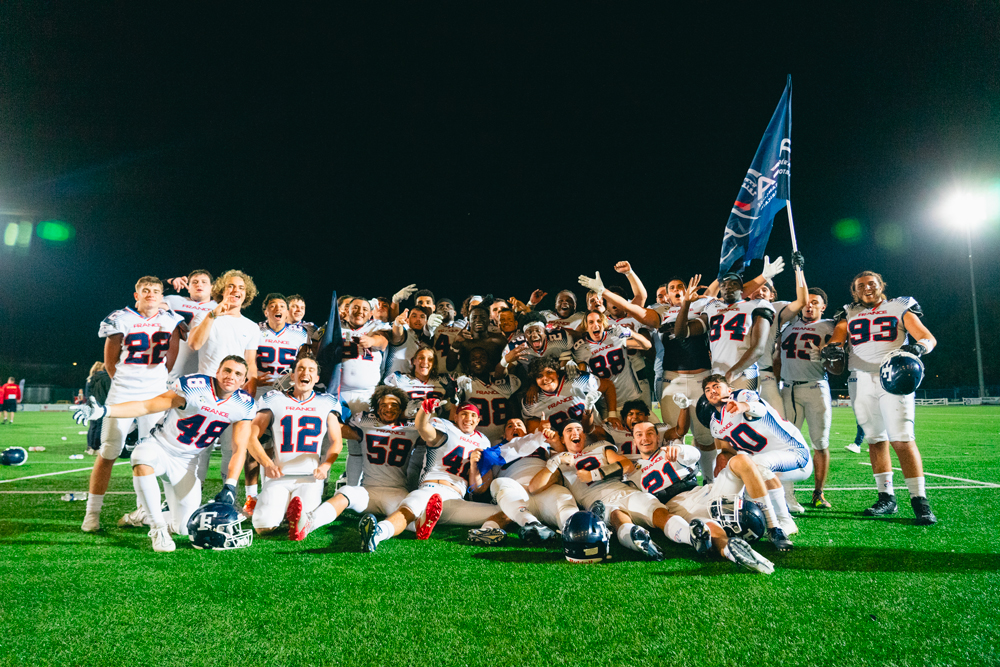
{"x": 491, "y": 395}
{"x": 198, "y": 409}
{"x": 806, "y": 392}
{"x": 563, "y": 314}
{"x": 608, "y": 344}
{"x": 140, "y": 346}
{"x": 560, "y": 399}
{"x": 478, "y": 335}
{"x": 878, "y": 327}
{"x": 538, "y": 341}
{"x": 406, "y": 336}
{"x": 446, "y": 333}
{"x": 743, "y": 422}
{"x": 449, "y": 471}
{"x": 198, "y": 284}
{"x": 300, "y": 419}
{"x": 594, "y": 477}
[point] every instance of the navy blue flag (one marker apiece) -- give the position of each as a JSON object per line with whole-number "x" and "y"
{"x": 331, "y": 349}
{"x": 765, "y": 189}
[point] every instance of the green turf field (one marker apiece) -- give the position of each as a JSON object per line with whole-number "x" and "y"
{"x": 854, "y": 591}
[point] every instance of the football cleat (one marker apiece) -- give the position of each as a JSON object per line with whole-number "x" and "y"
{"x": 368, "y": 526}
{"x": 598, "y": 510}
{"x": 487, "y": 536}
{"x": 294, "y": 516}
{"x": 922, "y": 510}
{"x": 853, "y": 447}
{"x": 536, "y": 533}
{"x": 162, "y": 541}
{"x": 248, "y": 506}
{"x": 429, "y": 519}
{"x": 642, "y": 539}
{"x": 884, "y": 506}
{"x": 701, "y": 537}
{"x": 788, "y": 526}
{"x": 794, "y": 506}
{"x": 744, "y": 556}
{"x": 91, "y": 522}
{"x": 137, "y": 518}
{"x": 779, "y": 539}
{"x": 820, "y": 501}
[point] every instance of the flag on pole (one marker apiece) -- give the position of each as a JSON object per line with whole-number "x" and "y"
{"x": 765, "y": 190}
{"x": 331, "y": 349}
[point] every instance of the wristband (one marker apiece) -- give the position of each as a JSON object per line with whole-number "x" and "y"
{"x": 552, "y": 464}
{"x": 927, "y": 343}
{"x": 503, "y": 361}
{"x": 212, "y": 314}
{"x": 612, "y": 413}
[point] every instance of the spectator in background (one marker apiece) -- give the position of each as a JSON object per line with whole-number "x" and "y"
{"x": 11, "y": 396}
{"x": 98, "y": 385}
{"x": 79, "y": 399}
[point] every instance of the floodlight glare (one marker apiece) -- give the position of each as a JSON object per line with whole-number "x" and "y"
{"x": 967, "y": 208}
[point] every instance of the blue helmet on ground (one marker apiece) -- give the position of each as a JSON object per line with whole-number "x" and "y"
{"x": 739, "y": 517}
{"x": 14, "y": 456}
{"x": 218, "y": 526}
{"x": 901, "y": 373}
{"x": 585, "y": 539}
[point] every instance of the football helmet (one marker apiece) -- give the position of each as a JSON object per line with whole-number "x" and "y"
{"x": 705, "y": 411}
{"x": 218, "y": 526}
{"x": 901, "y": 373}
{"x": 585, "y": 539}
{"x": 739, "y": 517}
{"x": 14, "y": 456}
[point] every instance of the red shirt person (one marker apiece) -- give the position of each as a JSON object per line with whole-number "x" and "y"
{"x": 10, "y": 394}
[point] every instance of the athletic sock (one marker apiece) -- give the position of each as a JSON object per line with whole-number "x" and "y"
{"x": 789, "y": 491}
{"x": 491, "y": 525}
{"x": 383, "y": 531}
{"x": 777, "y": 498}
{"x": 916, "y": 487}
{"x": 251, "y": 490}
{"x": 625, "y": 537}
{"x": 883, "y": 482}
{"x": 94, "y": 503}
{"x": 514, "y": 504}
{"x": 708, "y": 464}
{"x": 677, "y": 530}
{"x": 323, "y": 515}
{"x": 769, "y": 515}
{"x": 147, "y": 490}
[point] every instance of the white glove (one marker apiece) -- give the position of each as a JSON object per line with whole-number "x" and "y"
{"x": 284, "y": 382}
{"x": 593, "y": 284}
{"x": 682, "y": 401}
{"x": 591, "y": 399}
{"x": 434, "y": 321}
{"x": 557, "y": 459}
{"x": 771, "y": 269}
{"x": 92, "y": 410}
{"x": 572, "y": 370}
{"x": 464, "y": 384}
{"x": 404, "y": 294}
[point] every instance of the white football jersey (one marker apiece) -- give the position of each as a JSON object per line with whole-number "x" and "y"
{"x": 796, "y": 365}
{"x": 229, "y": 335}
{"x": 361, "y": 368}
{"x": 142, "y": 364}
{"x": 387, "y": 450}
{"x": 555, "y": 321}
{"x": 875, "y": 332}
{"x": 635, "y": 357}
{"x": 493, "y": 401}
{"x": 450, "y": 460}
{"x": 657, "y": 473}
{"x": 729, "y": 331}
{"x": 442, "y": 340}
{"x": 564, "y": 404}
{"x": 397, "y": 357}
{"x": 609, "y": 359}
{"x": 556, "y": 342}
{"x": 299, "y": 428}
{"x": 187, "y": 359}
{"x": 524, "y": 457}
{"x": 193, "y": 429}
{"x": 591, "y": 458}
{"x": 276, "y": 351}
{"x": 744, "y": 433}
{"x": 415, "y": 388}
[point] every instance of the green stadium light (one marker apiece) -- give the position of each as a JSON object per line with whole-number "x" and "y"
{"x": 55, "y": 231}
{"x": 847, "y": 231}
{"x": 10, "y": 234}
{"x": 24, "y": 234}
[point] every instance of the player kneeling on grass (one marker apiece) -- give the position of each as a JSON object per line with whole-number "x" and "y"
{"x": 199, "y": 408}
{"x": 300, "y": 419}
{"x": 450, "y": 468}
{"x": 594, "y": 476}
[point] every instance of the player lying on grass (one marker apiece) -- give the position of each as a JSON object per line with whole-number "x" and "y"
{"x": 594, "y": 477}
{"x": 655, "y": 464}
{"x": 301, "y": 420}
{"x": 744, "y": 422}
{"x": 198, "y": 409}
{"x": 450, "y": 469}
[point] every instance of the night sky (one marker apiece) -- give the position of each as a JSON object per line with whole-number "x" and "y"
{"x": 477, "y": 149}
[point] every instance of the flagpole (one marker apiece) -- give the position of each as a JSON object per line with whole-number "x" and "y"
{"x": 791, "y": 225}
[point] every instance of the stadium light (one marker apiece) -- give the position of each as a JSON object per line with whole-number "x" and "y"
{"x": 970, "y": 208}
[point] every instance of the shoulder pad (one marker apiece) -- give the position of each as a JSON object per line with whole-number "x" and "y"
{"x": 763, "y": 313}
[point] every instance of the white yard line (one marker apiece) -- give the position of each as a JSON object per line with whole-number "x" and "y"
{"x": 43, "y": 493}
{"x": 61, "y": 472}
{"x": 872, "y": 488}
{"x": 957, "y": 479}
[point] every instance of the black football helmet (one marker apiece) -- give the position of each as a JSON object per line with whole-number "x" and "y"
{"x": 739, "y": 517}
{"x": 585, "y": 539}
{"x": 705, "y": 411}
{"x": 218, "y": 526}
{"x": 14, "y": 456}
{"x": 901, "y": 373}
